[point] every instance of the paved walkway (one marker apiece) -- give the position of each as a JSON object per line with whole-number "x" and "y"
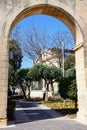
{"x": 35, "y": 116}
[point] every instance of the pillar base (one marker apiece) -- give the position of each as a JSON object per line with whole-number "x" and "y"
{"x": 3, "y": 122}
{"x": 82, "y": 118}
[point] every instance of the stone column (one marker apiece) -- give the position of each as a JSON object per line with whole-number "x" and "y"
{"x": 81, "y": 75}
{"x": 3, "y": 83}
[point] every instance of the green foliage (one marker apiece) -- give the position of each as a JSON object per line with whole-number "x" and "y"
{"x": 63, "y": 87}
{"x": 70, "y": 73}
{"x": 72, "y": 92}
{"x": 16, "y": 59}
{"x": 68, "y": 88}
{"x": 21, "y": 74}
{"x": 11, "y": 76}
{"x": 55, "y": 73}
{"x": 11, "y": 104}
{"x": 14, "y": 62}
{"x": 11, "y": 110}
{"x": 67, "y": 85}
{"x": 69, "y": 62}
{"x": 43, "y": 71}
{"x": 36, "y": 73}
{"x": 51, "y": 73}
{"x": 22, "y": 79}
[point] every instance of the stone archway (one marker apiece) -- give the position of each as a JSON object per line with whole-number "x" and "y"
{"x": 72, "y": 13}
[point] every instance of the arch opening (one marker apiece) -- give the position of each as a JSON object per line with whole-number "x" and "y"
{"x": 47, "y": 10}
{"x": 50, "y": 10}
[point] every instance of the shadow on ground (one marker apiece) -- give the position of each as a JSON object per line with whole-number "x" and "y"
{"x": 33, "y": 111}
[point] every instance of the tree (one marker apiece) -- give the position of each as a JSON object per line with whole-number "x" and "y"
{"x": 68, "y": 86}
{"x": 11, "y": 76}
{"x": 15, "y": 59}
{"x": 70, "y": 73}
{"x": 51, "y": 74}
{"x": 37, "y": 72}
{"x": 72, "y": 91}
{"x": 61, "y": 41}
{"x": 55, "y": 75}
{"x": 27, "y": 82}
{"x": 15, "y": 54}
{"x": 34, "y": 74}
{"x": 69, "y": 62}
{"x": 21, "y": 78}
{"x": 64, "y": 87}
{"x": 65, "y": 82}
{"x": 11, "y": 80}
{"x": 35, "y": 41}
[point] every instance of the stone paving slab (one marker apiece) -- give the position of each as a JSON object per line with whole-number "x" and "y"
{"x": 57, "y": 122}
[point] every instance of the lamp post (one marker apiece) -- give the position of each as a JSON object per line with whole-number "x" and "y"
{"x": 63, "y": 58}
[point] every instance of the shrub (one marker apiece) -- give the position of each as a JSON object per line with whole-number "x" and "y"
{"x": 11, "y": 104}
{"x": 11, "y": 110}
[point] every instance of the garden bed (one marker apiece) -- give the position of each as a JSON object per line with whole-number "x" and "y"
{"x": 66, "y": 108}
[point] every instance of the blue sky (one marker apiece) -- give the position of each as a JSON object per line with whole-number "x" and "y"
{"x": 45, "y": 23}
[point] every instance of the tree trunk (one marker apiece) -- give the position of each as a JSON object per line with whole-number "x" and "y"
{"x": 23, "y": 91}
{"x": 52, "y": 89}
{"x": 28, "y": 92}
{"x": 46, "y": 93}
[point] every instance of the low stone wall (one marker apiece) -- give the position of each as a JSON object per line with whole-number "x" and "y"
{"x": 38, "y": 93}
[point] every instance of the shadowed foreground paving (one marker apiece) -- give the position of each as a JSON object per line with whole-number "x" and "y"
{"x": 34, "y": 116}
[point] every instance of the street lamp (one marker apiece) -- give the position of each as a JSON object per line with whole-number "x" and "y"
{"x": 63, "y": 57}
